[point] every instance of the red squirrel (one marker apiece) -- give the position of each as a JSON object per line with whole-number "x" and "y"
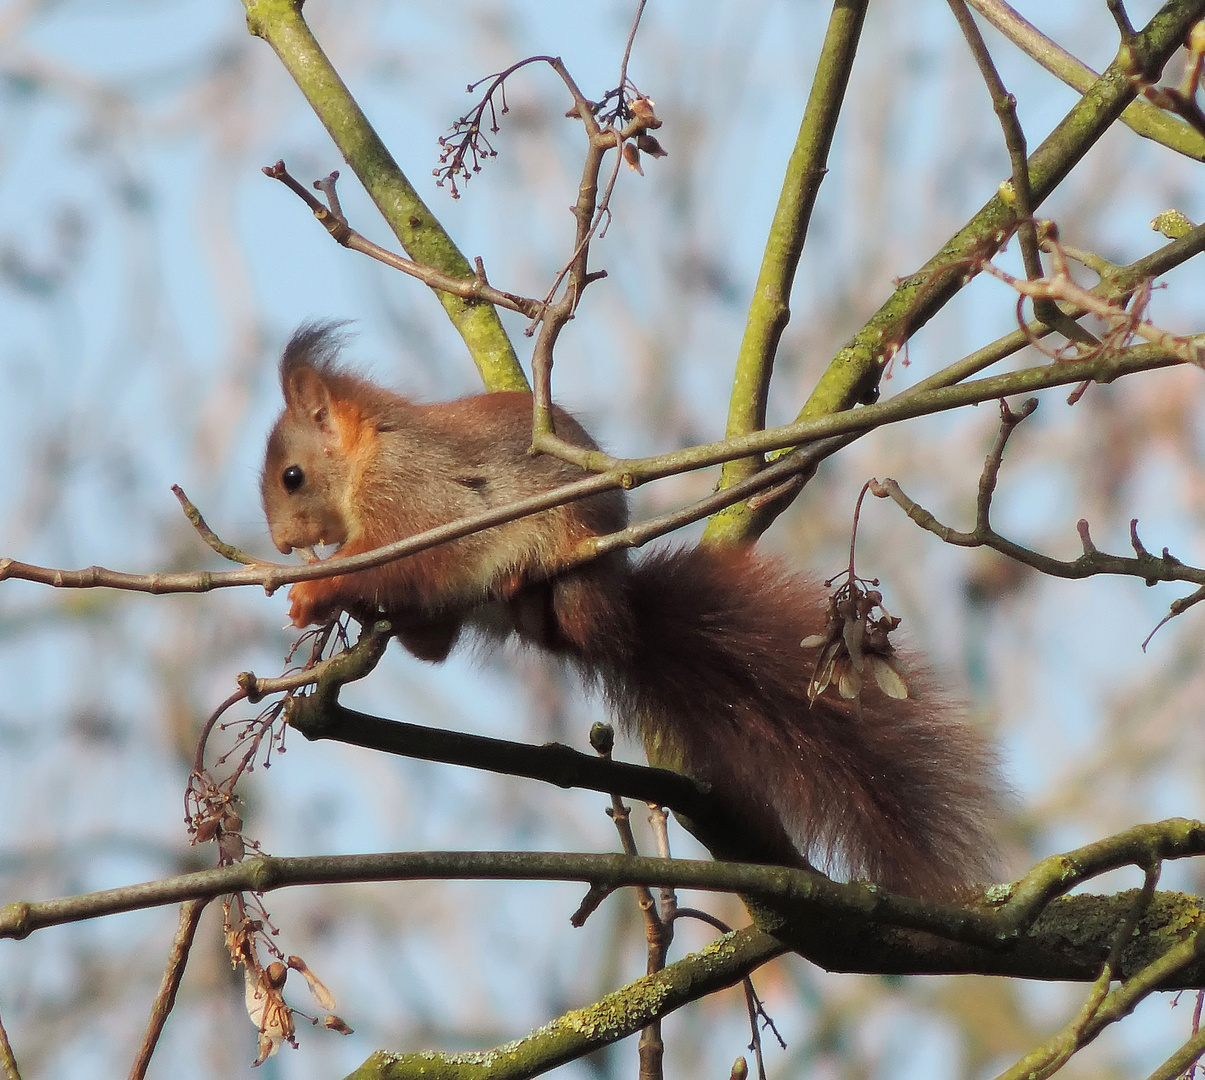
{"x": 697, "y": 649}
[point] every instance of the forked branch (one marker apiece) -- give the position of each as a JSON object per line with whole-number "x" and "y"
{"x": 1091, "y": 562}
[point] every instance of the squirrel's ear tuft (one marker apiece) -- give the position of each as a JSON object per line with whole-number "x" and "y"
{"x": 313, "y": 345}
{"x": 311, "y": 355}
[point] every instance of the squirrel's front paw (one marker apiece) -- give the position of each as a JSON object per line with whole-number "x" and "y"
{"x": 309, "y": 604}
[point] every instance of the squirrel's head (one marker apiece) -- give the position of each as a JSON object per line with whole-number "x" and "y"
{"x": 309, "y": 468}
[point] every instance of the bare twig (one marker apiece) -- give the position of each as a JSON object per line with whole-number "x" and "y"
{"x": 333, "y": 672}
{"x": 602, "y": 739}
{"x": 1150, "y": 568}
{"x": 190, "y": 916}
{"x": 1117, "y": 285}
{"x": 1005, "y": 106}
{"x": 629, "y": 473}
{"x": 8, "y": 1060}
{"x": 227, "y": 551}
{"x": 1059, "y": 285}
{"x": 1182, "y": 1061}
{"x": 590, "y": 211}
{"x": 198, "y": 765}
{"x": 333, "y": 220}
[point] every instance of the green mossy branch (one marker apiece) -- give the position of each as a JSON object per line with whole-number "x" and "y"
{"x": 769, "y": 309}
{"x": 582, "y": 1031}
{"x": 280, "y": 24}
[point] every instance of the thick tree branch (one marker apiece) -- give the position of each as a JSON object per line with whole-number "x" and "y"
{"x": 846, "y": 927}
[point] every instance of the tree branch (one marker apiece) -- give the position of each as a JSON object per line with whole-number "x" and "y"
{"x": 165, "y": 999}
{"x": 769, "y": 309}
{"x": 552, "y": 763}
{"x": 629, "y": 473}
{"x": 335, "y": 222}
{"x": 854, "y": 373}
{"x": 843, "y": 927}
{"x": 722, "y": 963}
{"x": 1149, "y": 568}
{"x": 281, "y": 25}
{"x": 1140, "y": 116}
{"x": 8, "y": 1060}
{"x": 1117, "y": 284}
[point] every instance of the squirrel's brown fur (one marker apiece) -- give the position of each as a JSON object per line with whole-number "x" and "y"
{"x": 698, "y": 649}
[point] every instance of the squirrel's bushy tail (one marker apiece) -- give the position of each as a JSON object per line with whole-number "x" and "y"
{"x": 713, "y": 677}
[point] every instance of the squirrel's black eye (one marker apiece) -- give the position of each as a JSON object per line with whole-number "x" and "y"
{"x": 292, "y": 478}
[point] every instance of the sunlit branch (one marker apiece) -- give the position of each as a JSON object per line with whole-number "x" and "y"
{"x": 1140, "y": 116}
{"x": 769, "y": 308}
{"x": 628, "y": 473}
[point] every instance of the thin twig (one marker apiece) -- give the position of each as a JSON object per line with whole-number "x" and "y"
{"x": 227, "y": 551}
{"x": 1005, "y": 106}
{"x": 602, "y": 739}
{"x": 1091, "y": 562}
{"x": 1059, "y": 285}
{"x": 335, "y": 223}
{"x": 590, "y": 211}
{"x": 1117, "y": 284}
{"x": 8, "y": 1060}
{"x": 342, "y": 668}
{"x": 190, "y": 916}
{"x": 1182, "y": 1060}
